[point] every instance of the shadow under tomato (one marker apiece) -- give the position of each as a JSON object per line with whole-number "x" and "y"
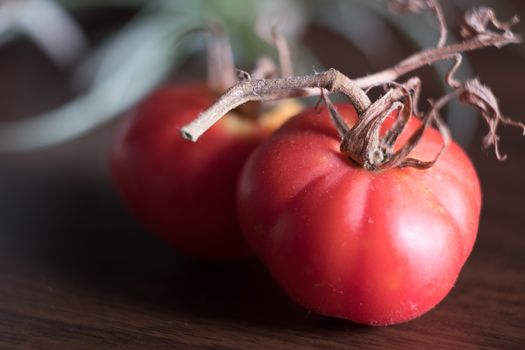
{"x": 80, "y": 233}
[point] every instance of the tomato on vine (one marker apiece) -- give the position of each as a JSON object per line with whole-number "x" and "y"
{"x": 374, "y": 247}
{"x": 183, "y": 192}
{"x": 364, "y": 212}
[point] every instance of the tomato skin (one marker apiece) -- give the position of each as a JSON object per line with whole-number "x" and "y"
{"x": 377, "y": 248}
{"x": 182, "y": 191}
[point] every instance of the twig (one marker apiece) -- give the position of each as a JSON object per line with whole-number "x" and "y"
{"x": 433, "y": 55}
{"x": 438, "y": 12}
{"x": 264, "y": 68}
{"x": 283, "y": 50}
{"x": 221, "y": 68}
{"x": 273, "y": 89}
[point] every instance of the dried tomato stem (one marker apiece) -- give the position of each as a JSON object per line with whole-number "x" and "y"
{"x": 363, "y": 142}
{"x": 283, "y": 51}
{"x": 273, "y": 89}
{"x": 264, "y": 68}
{"x": 433, "y": 55}
{"x": 221, "y": 68}
{"x": 438, "y": 12}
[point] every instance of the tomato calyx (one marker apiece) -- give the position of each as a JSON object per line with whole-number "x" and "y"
{"x": 364, "y": 144}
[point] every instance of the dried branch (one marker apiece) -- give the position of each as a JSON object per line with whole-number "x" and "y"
{"x": 440, "y": 17}
{"x": 418, "y": 6}
{"x": 399, "y": 125}
{"x": 474, "y": 31}
{"x": 430, "y": 56}
{"x": 264, "y": 68}
{"x": 283, "y": 51}
{"x": 221, "y": 69}
{"x": 274, "y": 89}
{"x": 449, "y": 77}
{"x": 362, "y": 142}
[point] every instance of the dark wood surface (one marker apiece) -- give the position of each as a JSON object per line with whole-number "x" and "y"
{"x": 78, "y": 272}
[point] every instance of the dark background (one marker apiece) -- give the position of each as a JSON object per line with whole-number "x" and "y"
{"x": 78, "y": 271}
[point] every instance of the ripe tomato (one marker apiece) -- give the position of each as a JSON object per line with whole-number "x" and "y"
{"x": 185, "y": 192}
{"x": 373, "y": 247}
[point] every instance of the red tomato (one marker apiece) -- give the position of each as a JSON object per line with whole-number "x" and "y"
{"x": 376, "y": 248}
{"x": 185, "y": 192}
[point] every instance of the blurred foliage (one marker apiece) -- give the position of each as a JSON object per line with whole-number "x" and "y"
{"x": 75, "y": 4}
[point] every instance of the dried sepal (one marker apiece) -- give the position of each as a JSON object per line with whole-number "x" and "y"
{"x": 363, "y": 142}
{"x": 471, "y": 92}
{"x": 477, "y": 20}
{"x": 400, "y": 158}
{"x": 397, "y": 128}
{"x": 340, "y": 124}
{"x": 443, "y": 131}
{"x": 479, "y": 96}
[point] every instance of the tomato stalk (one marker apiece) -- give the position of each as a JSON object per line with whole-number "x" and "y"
{"x": 222, "y": 73}
{"x": 283, "y": 51}
{"x": 275, "y": 89}
{"x": 362, "y": 142}
{"x": 221, "y": 67}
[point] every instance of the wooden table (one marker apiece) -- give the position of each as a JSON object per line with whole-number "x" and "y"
{"x": 78, "y": 272}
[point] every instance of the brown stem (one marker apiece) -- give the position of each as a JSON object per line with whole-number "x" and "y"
{"x": 449, "y": 77}
{"x": 264, "y": 68}
{"x": 333, "y": 81}
{"x": 438, "y": 12}
{"x": 283, "y": 51}
{"x": 221, "y": 68}
{"x": 363, "y": 142}
{"x": 273, "y": 89}
{"x": 433, "y": 55}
